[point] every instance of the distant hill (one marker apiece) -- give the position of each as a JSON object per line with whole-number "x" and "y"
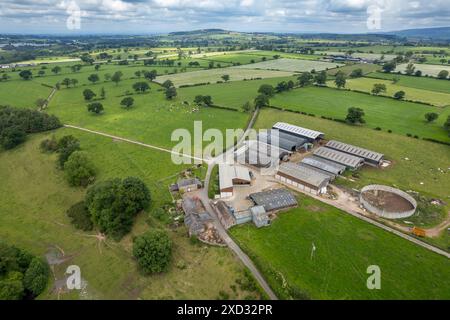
{"x": 198, "y": 32}
{"x": 442, "y": 33}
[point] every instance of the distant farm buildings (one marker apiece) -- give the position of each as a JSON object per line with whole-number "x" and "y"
{"x": 324, "y": 165}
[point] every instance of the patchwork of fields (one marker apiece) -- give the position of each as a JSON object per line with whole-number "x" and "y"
{"x": 388, "y": 114}
{"x": 22, "y": 94}
{"x": 431, "y": 70}
{"x": 292, "y": 65}
{"x": 424, "y": 83}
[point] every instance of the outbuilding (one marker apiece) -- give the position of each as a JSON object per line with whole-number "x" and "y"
{"x": 230, "y": 176}
{"x": 273, "y": 200}
{"x": 259, "y": 216}
{"x": 311, "y": 136}
{"x": 324, "y": 165}
{"x": 370, "y": 157}
{"x": 303, "y": 178}
{"x": 348, "y": 160}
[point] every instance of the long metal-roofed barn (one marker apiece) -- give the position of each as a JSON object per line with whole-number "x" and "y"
{"x": 260, "y": 154}
{"x": 310, "y": 135}
{"x": 370, "y": 157}
{"x": 324, "y": 165}
{"x": 304, "y": 178}
{"x": 332, "y": 176}
{"x": 275, "y": 199}
{"x": 343, "y": 158}
{"x": 282, "y": 139}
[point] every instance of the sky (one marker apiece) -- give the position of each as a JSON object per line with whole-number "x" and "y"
{"x": 161, "y": 16}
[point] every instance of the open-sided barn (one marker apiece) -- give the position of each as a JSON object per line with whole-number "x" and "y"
{"x": 343, "y": 158}
{"x": 370, "y": 157}
{"x": 324, "y": 165}
{"x": 308, "y": 134}
{"x": 282, "y": 139}
{"x": 303, "y": 178}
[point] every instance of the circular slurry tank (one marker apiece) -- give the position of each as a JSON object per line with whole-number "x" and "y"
{"x": 387, "y": 202}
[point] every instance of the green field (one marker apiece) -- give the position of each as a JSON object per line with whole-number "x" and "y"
{"x": 366, "y": 84}
{"x": 214, "y": 75}
{"x": 291, "y": 65}
{"x": 345, "y": 248}
{"x": 420, "y": 172}
{"x": 365, "y": 67}
{"x": 389, "y": 114}
{"x": 231, "y": 59}
{"x": 34, "y": 198}
{"x": 152, "y": 119}
{"x": 21, "y": 93}
{"x": 431, "y": 70}
{"x": 424, "y": 83}
{"x": 377, "y": 56}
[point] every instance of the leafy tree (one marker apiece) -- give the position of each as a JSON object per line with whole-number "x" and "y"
{"x": 11, "y": 287}
{"x": 447, "y": 124}
{"x": 305, "y": 79}
{"x": 167, "y": 84}
{"x": 150, "y": 75}
{"x": 340, "y": 80}
{"x": 399, "y": 95}
{"x": 153, "y": 251}
{"x": 95, "y": 107}
{"x": 138, "y": 73}
{"x": 12, "y": 136}
{"x": 113, "y": 204}
{"x": 66, "y": 82}
{"x": 94, "y": 78}
{"x": 88, "y": 94}
{"x": 117, "y": 77}
{"x": 79, "y": 170}
{"x": 261, "y": 101}
{"x": 389, "y": 66}
{"x": 418, "y": 73}
{"x": 41, "y": 73}
{"x": 203, "y": 100}
{"x": 321, "y": 78}
{"x": 66, "y": 146}
{"x": 267, "y": 90}
{"x": 171, "y": 93}
{"x": 226, "y": 77}
{"x": 107, "y": 76}
{"x": 141, "y": 87}
{"x": 247, "y": 107}
{"x": 36, "y": 277}
{"x": 97, "y": 67}
{"x": 379, "y": 88}
{"x": 127, "y": 102}
{"x": 356, "y": 73}
{"x": 410, "y": 68}
{"x": 443, "y": 74}
{"x": 56, "y": 69}
{"x": 355, "y": 116}
{"x": 76, "y": 67}
{"x": 26, "y": 74}
{"x": 431, "y": 116}
{"x": 74, "y": 82}
{"x": 40, "y": 103}
{"x": 86, "y": 58}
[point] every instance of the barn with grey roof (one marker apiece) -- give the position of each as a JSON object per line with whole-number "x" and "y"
{"x": 275, "y": 199}
{"x": 308, "y": 134}
{"x": 351, "y": 162}
{"x": 324, "y": 165}
{"x": 370, "y": 157}
{"x": 303, "y": 178}
{"x": 283, "y": 140}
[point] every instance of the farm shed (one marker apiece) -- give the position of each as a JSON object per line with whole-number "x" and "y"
{"x": 260, "y": 154}
{"x": 188, "y": 185}
{"x": 225, "y": 214}
{"x": 303, "y": 178}
{"x": 195, "y": 215}
{"x": 328, "y": 174}
{"x": 370, "y": 157}
{"x": 285, "y": 141}
{"x": 242, "y": 216}
{"x": 230, "y": 176}
{"x": 351, "y": 162}
{"x": 259, "y": 216}
{"x": 324, "y": 165}
{"x": 275, "y": 199}
{"x": 308, "y": 134}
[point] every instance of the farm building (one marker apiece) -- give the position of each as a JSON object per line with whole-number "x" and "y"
{"x": 285, "y": 141}
{"x": 324, "y": 165}
{"x": 259, "y": 216}
{"x": 351, "y": 162}
{"x": 188, "y": 185}
{"x": 370, "y": 157}
{"x": 260, "y": 154}
{"x": 275, "y": 199}
{"x": 303, "y": 178}
{"x": 308, "y": 134}
{"x": 242, "y": 216}
{"x": 230, "y": 176}
{"x": 196, "y": 215}
{"x": 332, "y": 176}
{"x": 225, "y": 214}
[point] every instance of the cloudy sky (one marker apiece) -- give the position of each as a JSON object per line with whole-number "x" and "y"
{"x": 158, "y": 16}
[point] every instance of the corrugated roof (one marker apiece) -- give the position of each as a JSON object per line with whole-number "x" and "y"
{"x": 303, "y": 173}
{"x": 229, "y": 172}
{"x": 328, "y": 174}
{"x": 339, "y": 157}
{"x": 312, "y": 134}
{"x": 274, "y": 199}
{"x": 323, "y": 164}
{"x": 299, "y": 141}
{"x": 354, "y": 150}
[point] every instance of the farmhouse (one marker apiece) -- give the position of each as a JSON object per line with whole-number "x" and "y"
{"x": 283, "y": 140}
{"x": 303, "y": 178}
{"x": 273, "y": 200}
{"x": 351, "y": 162}
{"x": 230, "y": 176}
{"x": 308, "y": 134}
{"x": 324, "y": 165}
{"x": 370, "y": 157}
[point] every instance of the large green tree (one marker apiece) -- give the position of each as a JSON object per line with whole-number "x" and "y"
{"x": 79, "y": 169}
{"x": 153, "y": 251}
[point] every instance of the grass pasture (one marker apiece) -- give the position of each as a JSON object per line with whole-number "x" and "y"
{"x": 389, "y": 114}
{"x": 345, "y": 248}
{"x": 415, "y": 163}
{"x": 21, "y": 93}
{"x": 366, "y": 84}
{"x": 347, "y": 70}
{"x": 34, "y": 198}
{"x": 214, "y": 75}
{"x": 424, "y": 83}
{"x": 431, "y": 70}
{"x": 292, "y": 65}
